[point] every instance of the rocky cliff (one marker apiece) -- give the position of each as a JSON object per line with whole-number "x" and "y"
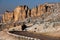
{"x": 22, "y": 12}
{"x": 7, "y": 16}
{"x": 48, "y": 12}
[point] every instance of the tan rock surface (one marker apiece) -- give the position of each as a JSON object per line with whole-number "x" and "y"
{"x": 41, "y": 10}
{"x": 20, "y": 13}
{"x": 7, "y": 17}
{"x": 34, "y": 12}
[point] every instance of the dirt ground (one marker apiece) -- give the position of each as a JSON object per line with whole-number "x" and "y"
{"x": 5, "y": 36}
{"x": 53, "y": 34}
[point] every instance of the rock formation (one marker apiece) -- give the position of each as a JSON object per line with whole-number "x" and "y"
{"x": 41, "y": 10}
{"x": 20, "y": 13}
{"x": 48, "y": 12}
{"x": 34, "y": 12}
{"x": 7, "y": 16}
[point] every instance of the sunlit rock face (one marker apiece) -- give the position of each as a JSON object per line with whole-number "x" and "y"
{"x": 54, "y": 12}
{"x": 34, "y": 12}
{"x": 7, "y": 16}
{"x": 20, "y": 13}
{"x": 45, "y": 10}
{"x": 41, "y": 10}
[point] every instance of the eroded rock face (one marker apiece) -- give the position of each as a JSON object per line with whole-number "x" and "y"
{"x": 41, "y": 10}
{"x": 20, "y": 13}
{"x": 34, "y": 12}
{"x": 7, "y": 17}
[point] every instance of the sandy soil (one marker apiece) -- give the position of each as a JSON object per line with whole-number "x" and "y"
{"x": 5, "y": 36}
{"x": 53, "y": 34}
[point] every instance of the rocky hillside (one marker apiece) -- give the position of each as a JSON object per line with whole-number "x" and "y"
{"x": 20, "y": 13}
{"x": 48, "y": 12}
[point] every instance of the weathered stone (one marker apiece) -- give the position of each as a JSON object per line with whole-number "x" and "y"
{"x": 45, "y": 12}
{"x": 41, "y": 10}
{"x": 20, "y": 13}
{"x": 34, "y": 12}
{"x": 7, "y": 16}
{"x": 29, "y": 13}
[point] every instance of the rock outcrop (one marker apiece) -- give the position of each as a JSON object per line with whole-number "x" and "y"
{"x": 48, "y": 12}
{"x": 7, "y": 17}
{"x": 34, "y": 12}
{"x": 20, "y": 13}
